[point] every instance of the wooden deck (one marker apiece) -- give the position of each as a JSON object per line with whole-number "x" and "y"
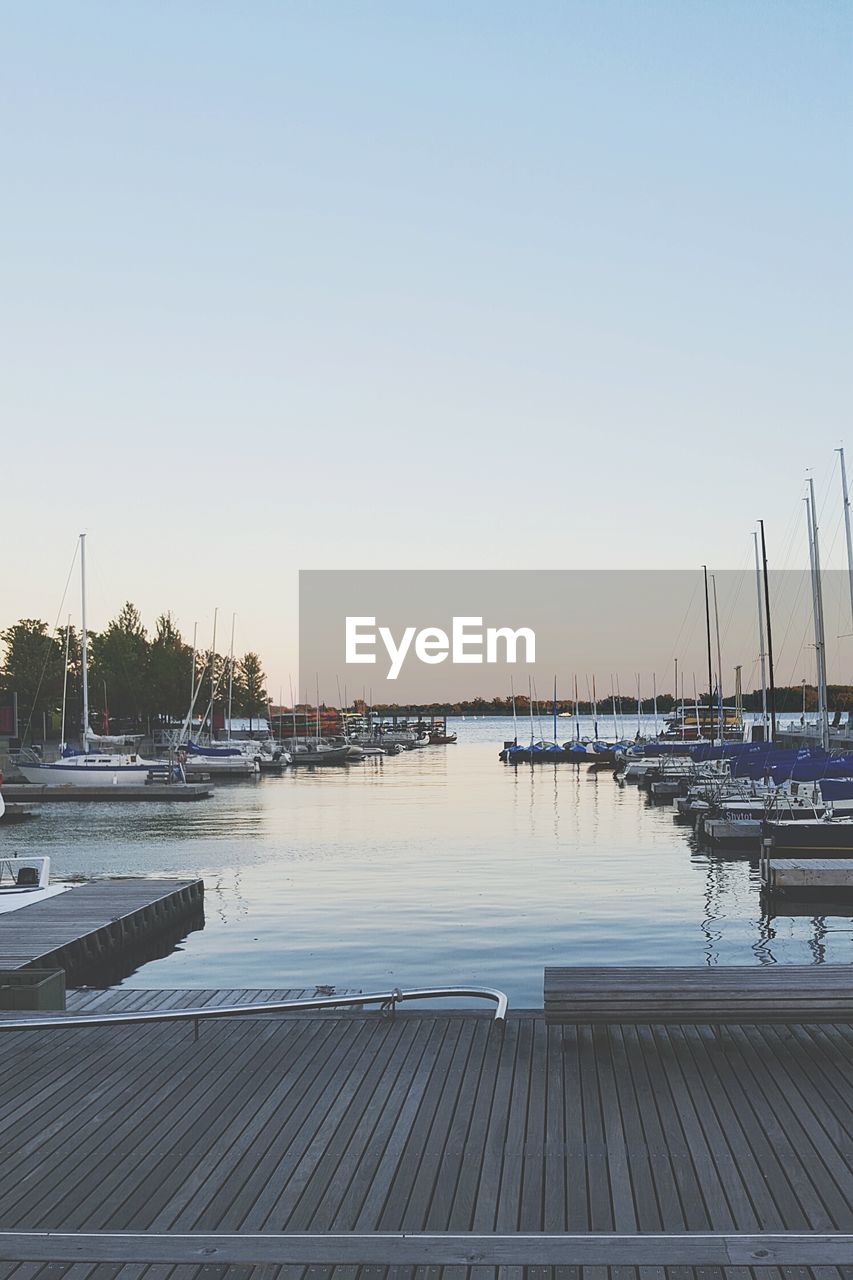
{"x": 94, "y": 923}
{"x": 432, "y": 1121}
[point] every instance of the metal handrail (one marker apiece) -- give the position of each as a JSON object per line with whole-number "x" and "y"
{"x": 387, "y": 1000}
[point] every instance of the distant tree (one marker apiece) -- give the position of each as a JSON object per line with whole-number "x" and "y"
{"x": 120, "y": 668}
{"x": 32, "y": 668}
{"x": 250, "y": 687}
{"x": 169, "y": 669}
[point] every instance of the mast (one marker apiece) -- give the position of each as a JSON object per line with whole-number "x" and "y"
{"x": 212, "y": 678}
{"x": 530, "y": 705}
{"x": 655, "y": 697}
{"x": 772, "y": 682}
{"x": 231, "y": 676}
{"x": 514, "y": 717}
{"x": 675, "y": 700}
{"x": 639, "y": 706}
{"x": 761, "y": 653}
{"x": 594, "y": 709}
{"x": 820, "y": 637}
{"x": 192, "y": 673}
{"x": 84, "y": 642}
{"x": 65, "y": 682}
{"x": 719, "y": 660}
{"x": 847, "y": 527}
{"x": 555, "y": 708}
{"x": 710, "y": 672}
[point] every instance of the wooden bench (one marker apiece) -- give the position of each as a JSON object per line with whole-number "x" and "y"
{"x": 699, "y": 995}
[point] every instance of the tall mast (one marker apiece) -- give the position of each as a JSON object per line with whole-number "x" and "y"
{"x": 530, "y": 705}
{"x": 231, "y": 674}
{"x": 719, "y": 660}
{"x": 761, "y": 653}
{"x": 613, "y": 708}
{"x": 84, "y": 642}
{"x": 555, "y": 708}
{"x": 212, "y": 678}
{"x": 192, "y": 672}
{"x": 65, "y": 682}
{"x": 847, "y": 528}
{"x": 710, "y": 672}
{"x": 639, "y": 706}
{"x": 772, "y": 682}
{"x": 577, "y": 711}
{"x": 819, "y": 630}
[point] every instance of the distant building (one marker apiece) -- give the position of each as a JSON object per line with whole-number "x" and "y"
{"x": 244, "y": 727}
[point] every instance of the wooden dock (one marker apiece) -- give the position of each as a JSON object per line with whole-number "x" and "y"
{"x": 97, "y": 924}
{"x": 431, "y": 1121}
{"x": 176, "y": 792}
{"x": 791, "y": 874}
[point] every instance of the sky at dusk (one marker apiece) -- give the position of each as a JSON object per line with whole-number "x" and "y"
{"x": 380, "y": 286}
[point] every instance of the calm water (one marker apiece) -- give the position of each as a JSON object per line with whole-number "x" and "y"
{"x": 436, "y": 866}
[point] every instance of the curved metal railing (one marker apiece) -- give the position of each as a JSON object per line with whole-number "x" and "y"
{"x": 387, "y": 1000}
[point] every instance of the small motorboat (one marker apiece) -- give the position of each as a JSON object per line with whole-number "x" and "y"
{"x": 24, "y": 881}
{"x": 441, "y": 739}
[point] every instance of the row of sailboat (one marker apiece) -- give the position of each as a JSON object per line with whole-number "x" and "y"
{"x": 107, "y": 760}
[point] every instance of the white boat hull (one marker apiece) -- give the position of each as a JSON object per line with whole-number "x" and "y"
{"x": 91, "y": 774}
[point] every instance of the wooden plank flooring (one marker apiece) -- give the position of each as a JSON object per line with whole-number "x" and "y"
{"x": 127, "y": 999}
{"x": 46, "y": 933}
{"x": 431, "y": 1121}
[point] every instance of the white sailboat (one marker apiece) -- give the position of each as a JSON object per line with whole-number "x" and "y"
{"x": 87, "y": 768}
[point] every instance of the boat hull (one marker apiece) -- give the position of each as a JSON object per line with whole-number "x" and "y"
{"x": 86, "y": 775}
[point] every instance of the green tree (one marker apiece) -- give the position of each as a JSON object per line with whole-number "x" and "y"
{"x": 250, "y": 687}
{"x": 169, "y": 668}
{"x": 120, "y": 659}
{"x": 32, "y": 668}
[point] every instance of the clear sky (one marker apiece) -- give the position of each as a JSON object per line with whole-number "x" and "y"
{"x": 379, "y": 285}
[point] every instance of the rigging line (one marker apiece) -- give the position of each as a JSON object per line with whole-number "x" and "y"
{"x": 792, "y": 535}
{"x": 803, "y": 643}
{"x": 797, "y": 600}
{"x": 686, "y": 615}
{"x": 741, "y": 572}
{"x": 49, "y": 639}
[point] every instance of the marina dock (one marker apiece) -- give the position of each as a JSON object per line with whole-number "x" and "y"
{"x": 810, "y": 873}
{"x": 96, "y": 923}
{"x": 431, "y": 1122}
{"x": 28, "y": 792}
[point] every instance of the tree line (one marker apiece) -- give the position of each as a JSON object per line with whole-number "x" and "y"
{"x": 136, "y": 680}
{"x": 789, "y": 699}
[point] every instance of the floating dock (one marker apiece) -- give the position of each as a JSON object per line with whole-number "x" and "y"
{"x": 431, "y": 1121}
{"x": 177, "y": 792}
{"x": 811, "y": 873}
{"x": 96, "y": 924}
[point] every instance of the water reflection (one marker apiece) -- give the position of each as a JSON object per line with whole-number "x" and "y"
{"x": 437, "y": 866}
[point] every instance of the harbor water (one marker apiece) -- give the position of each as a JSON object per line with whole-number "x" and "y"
{"x": 438, "y": 866}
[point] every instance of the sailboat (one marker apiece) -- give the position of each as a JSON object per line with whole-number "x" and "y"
{"x": 86, "y": 768}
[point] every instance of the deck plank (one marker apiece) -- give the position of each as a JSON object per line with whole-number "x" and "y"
{"x": 429, "y": 1121}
